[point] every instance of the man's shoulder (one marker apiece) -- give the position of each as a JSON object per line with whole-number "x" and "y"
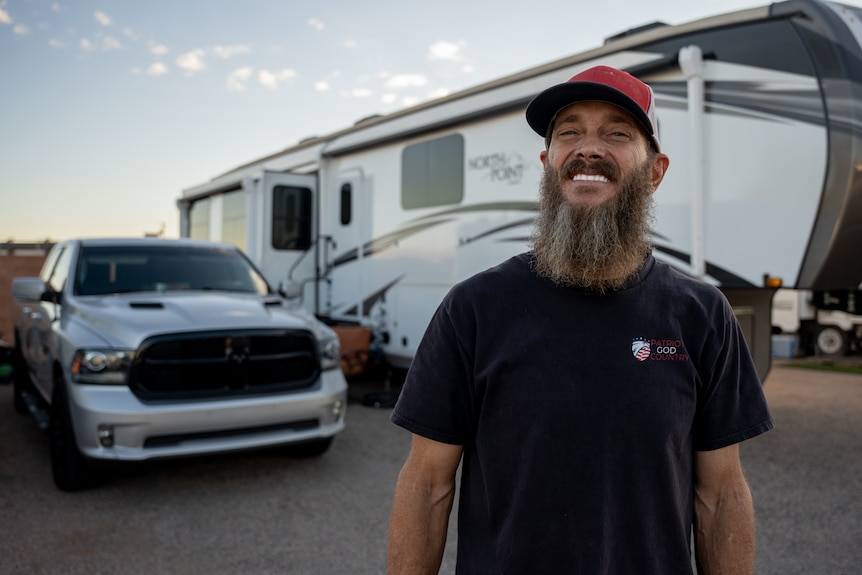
{"x": 507, "y": 270}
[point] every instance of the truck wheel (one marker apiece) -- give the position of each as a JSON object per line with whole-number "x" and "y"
{"x": 71, "y": 470}
{"x": 20, "y": 382}
{"x": 831, "y": 341}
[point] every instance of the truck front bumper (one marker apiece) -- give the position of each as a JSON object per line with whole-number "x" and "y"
{"x": 111, "y": 423}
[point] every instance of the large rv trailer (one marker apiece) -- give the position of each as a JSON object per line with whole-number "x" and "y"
{"x": 759, "y": 110}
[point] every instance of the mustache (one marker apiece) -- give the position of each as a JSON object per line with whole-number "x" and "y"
{"x": 600, "y": 167}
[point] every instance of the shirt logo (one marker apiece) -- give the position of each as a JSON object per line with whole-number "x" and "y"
{"x": 640, "y": 349}
{"x": 659, "y": 349}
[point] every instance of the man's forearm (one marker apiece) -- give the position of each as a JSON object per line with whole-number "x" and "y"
{"x": 725, "y": 532}
{"x": 417, "y": 527}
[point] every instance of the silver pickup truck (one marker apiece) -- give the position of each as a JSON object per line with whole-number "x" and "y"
{"x": 137, "y": 349}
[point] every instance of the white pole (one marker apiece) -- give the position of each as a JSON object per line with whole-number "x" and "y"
{"x": 691, "y": 63}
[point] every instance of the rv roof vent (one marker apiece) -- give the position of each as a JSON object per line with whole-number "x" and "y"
{"x": 367, "y": 119}
{"x": 635, "y": 30}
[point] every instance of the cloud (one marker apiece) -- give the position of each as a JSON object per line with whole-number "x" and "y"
{"x": 389, "y": 98}
{"x": 55, "y": 7}
{"x": 443, "y": 50}
{"x": 5, "y": 18}
{"x": 228, "y": 51}
{"x": 54, "y": 43}
{"x": 86, "y": 45}
{"x": 316, "y": 24}
{"x": 321, "y": 86}
{"x": 272, "y": 79}
{"x": 237, "y": 79}
{"x": 192, "y": 61}
{"x": 349, "y": 44}
{"x": 157, "y": 69}
{"x": 110, "y": 43}
{"x": 158, "y": 49}
{"x": 400, "y": 81}
{"x": 102, "y": 18}
{"x": 21, "y": 29}
{"x": 361, "y": 93}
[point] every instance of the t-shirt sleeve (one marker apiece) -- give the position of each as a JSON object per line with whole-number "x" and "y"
{"x": 732, "y": 406}
{"x": 435, "y": 401}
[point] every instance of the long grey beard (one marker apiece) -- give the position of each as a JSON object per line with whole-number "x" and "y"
{"x": 593, "y": 247}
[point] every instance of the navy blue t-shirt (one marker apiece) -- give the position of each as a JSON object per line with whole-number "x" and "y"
{"x": 579, "y": 414}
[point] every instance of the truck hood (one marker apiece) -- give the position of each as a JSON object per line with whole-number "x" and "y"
{"x": 125, "y": 320}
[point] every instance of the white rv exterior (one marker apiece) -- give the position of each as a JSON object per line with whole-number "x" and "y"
{"x": 760, "y": 112}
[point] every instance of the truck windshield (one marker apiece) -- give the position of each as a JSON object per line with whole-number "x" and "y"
{"x": 123, "y": 269}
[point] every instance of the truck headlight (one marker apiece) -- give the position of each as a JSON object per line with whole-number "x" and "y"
{"x": 110, "y": 367}
{"x": 330, "y": 353}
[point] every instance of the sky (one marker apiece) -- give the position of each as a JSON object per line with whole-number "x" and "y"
{"x": 110, "y": 108}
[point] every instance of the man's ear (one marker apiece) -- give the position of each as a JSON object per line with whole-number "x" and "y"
{"x": 659, "y": 168}
{"x": 543, "y": 155}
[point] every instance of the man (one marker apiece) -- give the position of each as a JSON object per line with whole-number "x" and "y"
{"x": 594, "y": 396}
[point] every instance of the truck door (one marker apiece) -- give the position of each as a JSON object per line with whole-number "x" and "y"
{"x": 284, "y": 248}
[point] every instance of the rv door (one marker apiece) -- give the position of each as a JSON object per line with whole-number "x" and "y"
{"x": 288, "y": 228}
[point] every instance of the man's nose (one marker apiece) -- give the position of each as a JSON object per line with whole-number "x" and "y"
{"x": 590, "y": 148}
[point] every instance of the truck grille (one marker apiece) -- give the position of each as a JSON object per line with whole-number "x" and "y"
{"x": 218, "y": 364}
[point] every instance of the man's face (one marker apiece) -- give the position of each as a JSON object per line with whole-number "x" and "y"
{"x": 592, "y": 229}
{"x": 594, "y": 145}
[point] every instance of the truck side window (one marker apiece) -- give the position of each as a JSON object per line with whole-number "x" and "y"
{"x": 291, "y": 218}
{"x": 61, "y": 271}
{"x": 432, "y": 173}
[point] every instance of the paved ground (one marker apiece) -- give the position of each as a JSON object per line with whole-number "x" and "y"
{"x": 263, "y": 513}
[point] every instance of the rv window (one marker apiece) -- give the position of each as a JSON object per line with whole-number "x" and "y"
{"x": 234, "y": 221}
{"x": 346, "y": 204}
{"x": 199, "y": 220}
{"x": 291, "y": 218}
{"x": 432, "y": 173}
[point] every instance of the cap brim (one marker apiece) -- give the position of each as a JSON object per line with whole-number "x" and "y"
{"x": 542, "y": 109}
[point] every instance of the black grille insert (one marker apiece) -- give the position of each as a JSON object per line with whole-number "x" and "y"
{"x": 218, "y": 364}
{"x": 172, "y": 440}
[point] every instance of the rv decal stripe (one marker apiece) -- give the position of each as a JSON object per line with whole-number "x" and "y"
{"x": 491, "y": 206}
{"x": 492, "y": 231}
{"x": 723, "y": 276}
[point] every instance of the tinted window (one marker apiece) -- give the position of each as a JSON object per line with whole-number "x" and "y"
{"x": 432, "y": 173}
{"x": 124, "y": 269}
{"x": 346, "y": 204}
{"x": 291, "y": 218}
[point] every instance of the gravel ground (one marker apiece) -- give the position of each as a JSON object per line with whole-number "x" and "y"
{"x": 264, "y": 513}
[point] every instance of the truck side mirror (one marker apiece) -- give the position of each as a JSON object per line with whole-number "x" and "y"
{"x": 290, "y": 289}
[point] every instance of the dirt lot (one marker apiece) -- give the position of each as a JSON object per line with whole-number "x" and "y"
{"x": 264, "y": 513}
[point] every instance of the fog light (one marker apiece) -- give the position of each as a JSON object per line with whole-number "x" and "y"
{"x": 106, "y": 435}
{"x": 337, "y": 409}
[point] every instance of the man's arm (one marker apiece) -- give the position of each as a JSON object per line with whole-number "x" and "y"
{"x": 420, "y": 512}
{"x": 724, "y": 514}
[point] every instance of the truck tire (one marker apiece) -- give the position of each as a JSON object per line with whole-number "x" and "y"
{"x": 20, "y": 382}
{"x": 831, "y": 341}
{"x": 71, "y": 470}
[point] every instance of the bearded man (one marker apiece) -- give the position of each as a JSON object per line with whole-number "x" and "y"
{"x": 594, "y": 397}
